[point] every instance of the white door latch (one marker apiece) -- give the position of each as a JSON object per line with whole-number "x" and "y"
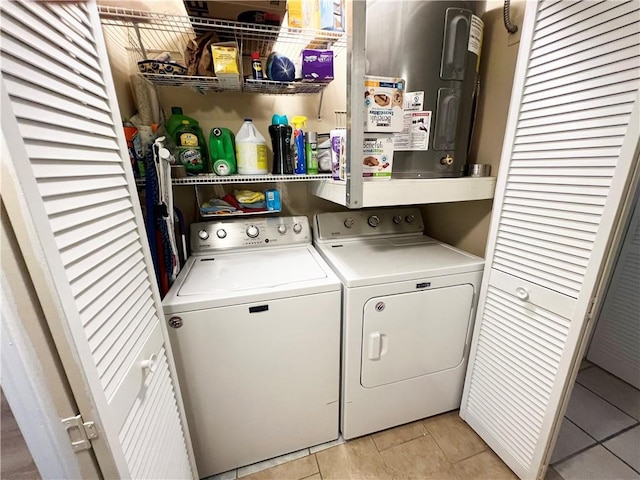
{"x": 80, "y": 433}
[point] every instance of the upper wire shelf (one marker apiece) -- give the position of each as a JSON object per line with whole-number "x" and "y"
{"x": 147, "y": 34}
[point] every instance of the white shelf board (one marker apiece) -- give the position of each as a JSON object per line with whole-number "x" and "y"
{"x": 409, "y": 191}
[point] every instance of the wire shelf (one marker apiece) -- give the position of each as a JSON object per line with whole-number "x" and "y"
{"x": 238, "y": 213}
{"x": 282, "y": 88}
{"x": 212, "y": 178}
{"x": 202, "y": 83}
{"x": 147, "y": 34}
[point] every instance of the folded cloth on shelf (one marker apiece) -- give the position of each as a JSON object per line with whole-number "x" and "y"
{"x": 254, "y": 210}
{"x": 231, "y": 200}
{"x": 253, "y": 206}
{"x": 248, "y": 197}
{"x": 217, "y": 206}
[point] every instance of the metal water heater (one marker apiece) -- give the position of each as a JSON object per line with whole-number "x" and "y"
{"x": 435, "y": 46}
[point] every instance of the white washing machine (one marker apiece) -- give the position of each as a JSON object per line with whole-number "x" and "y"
{"x": 255, "y": 330}
{"x": 408, "y": 308}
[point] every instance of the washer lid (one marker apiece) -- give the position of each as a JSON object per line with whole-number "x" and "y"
{"x": 383, "y": 260}
{"x": 233, "y": 272}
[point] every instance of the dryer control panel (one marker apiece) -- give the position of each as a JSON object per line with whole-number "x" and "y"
{"x": 254, "y": 232}
{"x": 368, "y": 223}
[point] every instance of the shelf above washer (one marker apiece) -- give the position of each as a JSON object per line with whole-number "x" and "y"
{"x": 409, "y": 191}
{"x": 212, "y": 178}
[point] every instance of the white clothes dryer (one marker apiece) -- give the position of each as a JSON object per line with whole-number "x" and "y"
{"x": 255, "y": 331}
{"x": 408, "y": 307}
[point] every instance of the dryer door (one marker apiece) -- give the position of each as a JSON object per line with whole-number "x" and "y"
{"x": 413, "y": 334}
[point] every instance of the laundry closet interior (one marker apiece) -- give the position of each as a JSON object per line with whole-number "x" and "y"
{"x": 354, "y": 304}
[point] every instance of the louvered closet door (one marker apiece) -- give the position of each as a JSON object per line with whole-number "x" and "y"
{"x": 569, "y": 146}
{"x": 616, "y": 342}
{"x": 69, "y": 162}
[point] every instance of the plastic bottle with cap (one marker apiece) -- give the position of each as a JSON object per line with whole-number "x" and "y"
{"x": 280, "y": 132}
{"x": 297, "y": 145}
{"x": 222, "y": 151}
{"x": 251, "y": 150}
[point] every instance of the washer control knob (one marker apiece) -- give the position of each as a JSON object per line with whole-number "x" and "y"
{"x": 252, "y": 231}
{"x": 410, "y": 218}
{"x": 397, "y": 219}
{"x": 348, "y": 222}
{"x": 203, "y": 234}
{"x": 282, "y": 229}
{"x": 297, "y": 228}
{"x": 374, "y": 221}
{"x": 221, "y": 233}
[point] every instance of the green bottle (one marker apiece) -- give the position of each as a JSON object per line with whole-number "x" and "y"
{"x": 192, "y": 150}
{"x": 175, "y": 121}
{"x": 311, "y": 152}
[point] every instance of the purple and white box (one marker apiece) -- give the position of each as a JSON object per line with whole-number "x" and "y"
{"x": 317, "y": 65}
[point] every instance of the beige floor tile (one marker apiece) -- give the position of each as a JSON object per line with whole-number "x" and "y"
{"x": 484, "y": 466}
{"x": 317, "y": 476}
{"x": 456, "y": 439}
{"x": 294, "y": 470}
{"x": 356, "y": 459}
{"x": 417, "y": 459}
{"x": 397, "y": 435}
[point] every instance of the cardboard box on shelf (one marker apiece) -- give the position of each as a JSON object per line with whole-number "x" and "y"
{"x": 317, "y": 65}
{"x": 377, "y": 156}
{"x": 383, "y": 100}
{"x": 272, "y": 10}
{"x": 332, "y": 13}
{"x": 226, "y": 65}
{"x": 295, "y": 13}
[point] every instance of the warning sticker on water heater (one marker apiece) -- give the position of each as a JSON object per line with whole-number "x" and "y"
{"x": 475, "y": 35}
{"x": 415, "y": 132}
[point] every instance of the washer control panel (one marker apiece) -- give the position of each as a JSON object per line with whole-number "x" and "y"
{"x": 249, "y": 233}
{"x": 368, "y": 222}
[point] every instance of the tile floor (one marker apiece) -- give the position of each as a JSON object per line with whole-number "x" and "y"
{"x": 440, "y": 447}
{"x": 600, "y": 436}
{"x": 599, "y": 440}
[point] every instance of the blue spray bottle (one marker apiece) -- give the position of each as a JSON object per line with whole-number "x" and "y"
{"x": 297, "y": 145}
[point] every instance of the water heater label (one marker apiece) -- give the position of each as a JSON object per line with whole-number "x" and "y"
{"x": 475, "y": 35}
{"x": 413, "y": 101}
{"x": 415, "y": 134}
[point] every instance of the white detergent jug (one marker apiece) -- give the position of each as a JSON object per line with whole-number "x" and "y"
{"x": 251, "y": 150}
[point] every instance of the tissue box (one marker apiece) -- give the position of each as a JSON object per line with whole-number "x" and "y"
{"x": 317, "y": 65}
{"x": 383, "y": 100}
{"x": 377, "y": 156}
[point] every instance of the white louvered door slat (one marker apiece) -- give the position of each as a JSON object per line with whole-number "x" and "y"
{"x": 614, "y": 346}
{"x": 569, "y": 146}
{"x": 69, "y": 159}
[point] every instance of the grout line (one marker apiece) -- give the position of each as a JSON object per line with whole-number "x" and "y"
{"x": 575, "y": 454}
{"x": 601, "y": 397}
{"x": 318, "y": 464}
{"x": 619, "y": 458}
{"x": 598, "y": 443}
{"x": 624, "y": 430}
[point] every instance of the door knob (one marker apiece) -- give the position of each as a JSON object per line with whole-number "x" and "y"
{"x": 151, "y": 363}
{"x": 522, "y": 293}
